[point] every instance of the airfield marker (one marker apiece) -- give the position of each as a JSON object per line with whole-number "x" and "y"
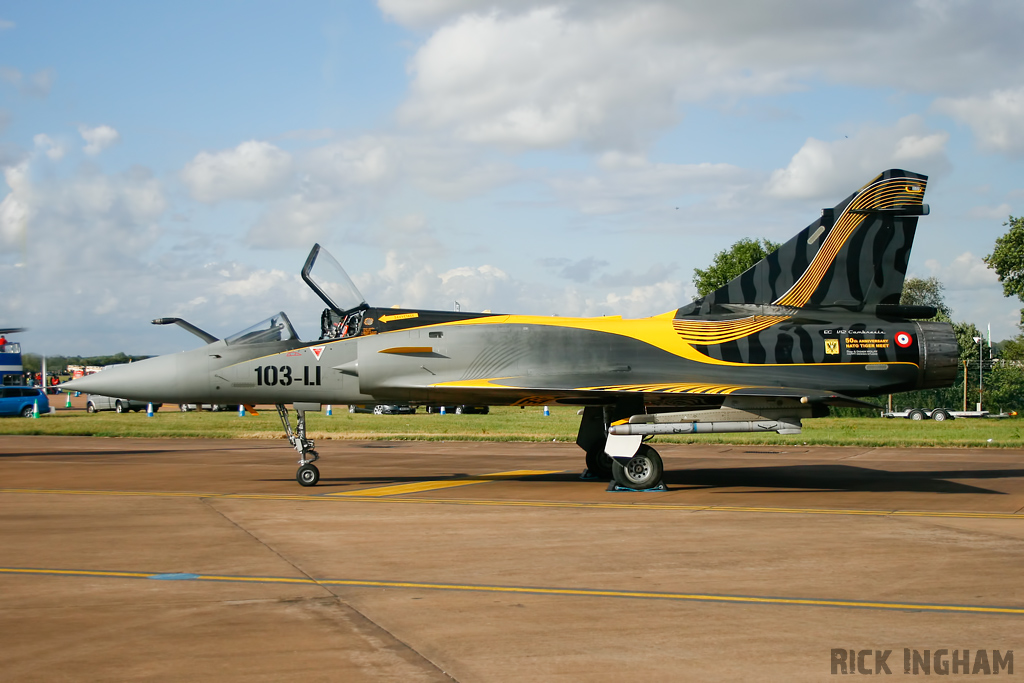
{"x": 442, "y": 411}
{"x": 149, "y": 410}
{"x": 241, "y": 410}
{"x": 35, "y": 408}
{"x": 329, "y": 411}
{"x": 547, "y": 413}
{"x": 68, "y": 404}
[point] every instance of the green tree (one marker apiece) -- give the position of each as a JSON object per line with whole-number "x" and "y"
{"x": 730, "y": 263}
{"x": 1012, "y": 349}
{"x": 926, "y": 292}
{"x": 1007, "y": 259}
{"x": 33, "y": 361}
{"x": 1004, "y": 387}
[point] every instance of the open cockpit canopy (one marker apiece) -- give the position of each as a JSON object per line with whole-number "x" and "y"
{"x": 276, "y": 328}
{"x": 328, "y": 279}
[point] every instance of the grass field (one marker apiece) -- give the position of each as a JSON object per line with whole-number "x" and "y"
{"x": 507, "y": 424}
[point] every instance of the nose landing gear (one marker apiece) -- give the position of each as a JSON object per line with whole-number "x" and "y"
{"x": 307, "y": 474}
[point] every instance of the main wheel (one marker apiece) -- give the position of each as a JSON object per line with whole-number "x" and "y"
{"x": 351, "y": 409}
{"x": 916, "y": 415}
{"x": 26, "y": 411}
{"x": 378, "y": 410}
{"x": 183, "y": 407}
{"x": 458, "y": 410}
{"x": 642, "y": 471}
{"x": 599, "y": 464}
{"x": 90, "y": 408}
{"x": 120, "y": 407}
{"x": 308, "y": 475}
{"x": 940, "y": 415}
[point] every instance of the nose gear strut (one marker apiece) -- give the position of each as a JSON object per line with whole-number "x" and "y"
{"x": 307, "y": 474}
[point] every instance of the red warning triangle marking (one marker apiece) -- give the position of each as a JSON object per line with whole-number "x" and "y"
{"x": 317, "y": 350}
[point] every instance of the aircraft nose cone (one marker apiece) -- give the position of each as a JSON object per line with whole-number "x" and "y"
{"x": 157, "y": 379}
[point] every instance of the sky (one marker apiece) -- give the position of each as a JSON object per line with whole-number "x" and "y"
{"x": 578, "y": 158}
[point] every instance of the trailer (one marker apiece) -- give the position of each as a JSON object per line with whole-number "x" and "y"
{"x": 942, "y": 414}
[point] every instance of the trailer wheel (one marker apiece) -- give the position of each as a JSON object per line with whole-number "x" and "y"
{"x": 916, "y": 415}
{"x": 940, "y": 415}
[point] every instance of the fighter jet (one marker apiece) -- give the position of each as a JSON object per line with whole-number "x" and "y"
{"x": 815, "y": 324}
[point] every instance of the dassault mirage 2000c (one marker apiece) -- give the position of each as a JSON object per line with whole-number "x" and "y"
{"x": 817, "y": 323}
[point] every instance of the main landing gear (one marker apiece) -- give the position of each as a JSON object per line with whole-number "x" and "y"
{"x": 307, "y": 474}
{"x": 641, "y": 472}
{"x": 628, "y": 462}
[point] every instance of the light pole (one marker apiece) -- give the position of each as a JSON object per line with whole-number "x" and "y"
{"x": 965, "y": 385}
{"x": 977, "y": 340}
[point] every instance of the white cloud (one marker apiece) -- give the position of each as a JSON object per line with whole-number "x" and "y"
{"x": 409, "y": 283}
{"x": 630, "y": 182}
{"x": 35, "y": 85}
{"x": 363, "y": 161}
{"x": 89, "y": 222}
{"x": 539, "y": 80}
{"x": 98, "y": 139}
{"x": 997, "y": 119}
{"x": 44, "y": 143}
{"x": 252, "y": 170}
{"x": 6, "y": 25}
{"x": 651, "y": 299}
{"x": 475, "y": 287}
{"x": 345, "y": 182}
{"x": 991, "y": 212}
{"x": 257, "y": 283}
{"x": 965, "y": 272}
{"x": 14, "y": 209}
{"x": 827, "y": 169}
{"x": 300, "y": 218}
{"x": 610, "y": 75}
{"x": 423, "y": 13}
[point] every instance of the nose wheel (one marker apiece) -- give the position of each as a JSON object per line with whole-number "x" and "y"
{"x": 308, "y": 475}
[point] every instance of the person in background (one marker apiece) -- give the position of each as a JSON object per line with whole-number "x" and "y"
{"x": 3, "y": 342}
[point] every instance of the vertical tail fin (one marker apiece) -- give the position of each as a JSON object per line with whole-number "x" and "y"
{"x": 852, "y": 257}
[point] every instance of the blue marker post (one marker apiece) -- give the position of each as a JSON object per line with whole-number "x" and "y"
{"x": 241, "y": 410}
{"x": 442, "y": 411}
{"x": 329, "y": 411}
{"x": 547, "y": 413}
{"x": 149, "y": 410}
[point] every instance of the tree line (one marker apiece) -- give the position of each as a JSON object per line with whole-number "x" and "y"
{"x": 33, "y": 362}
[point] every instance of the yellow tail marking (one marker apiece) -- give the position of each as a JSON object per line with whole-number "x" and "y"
{"x": 877, "y": 195}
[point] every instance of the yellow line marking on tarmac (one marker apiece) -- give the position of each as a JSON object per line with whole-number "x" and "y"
{"x": 533, "y": 590}
{"x": 399, "y": 489}
{"x": 354, "y": 498}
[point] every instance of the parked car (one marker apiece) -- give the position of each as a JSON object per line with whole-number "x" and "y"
{"x": 460, "y": 409}
{"x": 20, "y": 400}
{"x": 383, "y": 408}
{"x": 212, "y": 407}
{"x": 95, "y": 403}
